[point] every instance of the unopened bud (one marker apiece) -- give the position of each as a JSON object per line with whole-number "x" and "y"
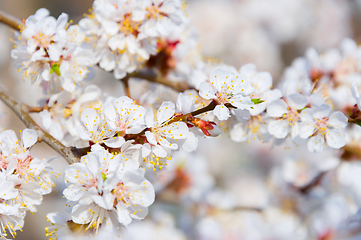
{"x": 207, "y": 127}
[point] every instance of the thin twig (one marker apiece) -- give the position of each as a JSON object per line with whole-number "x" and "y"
{"x": 11, "y": 21}
{"x": 22, "y": 111}
{"x": 153, "y": 76}
{"x": 353, "y": 120}
{"x": 33, "y": 109}
{"x": 125, "y": 80}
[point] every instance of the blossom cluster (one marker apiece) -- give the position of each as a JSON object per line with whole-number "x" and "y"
{"x": 136, "y": 145}
{"x": 24, "y": 179}
{"x": 50, "y": 54}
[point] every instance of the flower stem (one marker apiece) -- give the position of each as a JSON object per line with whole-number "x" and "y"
{"x": 185, "y": 117}
{"x": 11, "y": 21}
{"x": 354, "y": 120}
{"x": 156, "y": 77}
{"x": 22, "y": 111}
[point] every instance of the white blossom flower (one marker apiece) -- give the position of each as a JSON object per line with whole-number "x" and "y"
{"x": 185, "y": 105}
{"x": 109, "y": 192}
{"x": 15, "y": 154}
{"x": 117, "y": 43}
{"x": 61, "y": 115}
{"x": 124, "y": 116}
{"x": 11, "y": 148}
{"x": 252, "y": 129}
{"x": 227, "y": 88}
{"x": 356, "y": 94}
{"x": 323, "y": 127}
{"x": 160, "y": 130}
{"x": 157, "y": 16}
{"x": 49, "y": 54}
{"x": 262, "y": 84}
{"x": 11, "y": 219}
{"x": 287, "y": 114}
{"x": 96, "y": 129}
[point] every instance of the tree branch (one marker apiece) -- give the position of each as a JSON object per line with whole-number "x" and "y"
{"x": 22, "y": 111}
{"x": 354, "y": 120}
{"x": 11, "y": 21}
{"x": 153, "y": 76}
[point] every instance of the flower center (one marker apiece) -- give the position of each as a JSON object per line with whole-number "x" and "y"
{"x": 321, "y": 125}
{"x": 128, "y": 26}
{"x": 154, "y": 12}
{"x": 291, "y": 116}
{"x": 43, "y": 40}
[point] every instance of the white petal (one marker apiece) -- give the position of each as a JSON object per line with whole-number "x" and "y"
{"x": 57, "y": 218}
{"x": 29, "y": 137}
{"x": 115, "y": 142}
{"x": 81, "y": 214}
{"x": 337, "y": 120}
{"x": 176, "y": 130}
{"x": 206, "y": 91}
{"x": 90, "y": 119}
{"x": 356, "y": 94}
{"x": 278, "y": 128}
{"x": 54, "y": 52}
{"x": 191, "y": 142}
{"x": 335, "y": 138}
{"x": 151, "y": 138}
{"x": 123, "y": 215}
{"x": 307, "y": 129}
{"x": 149, "y": 117}
{"x": 105, "y": 201}
{"x": 242, "y": 115}
{"x": 316, "y": 100}
{"x": 238, "y": 133}
{"x": 83, "y": 134}
{"x": 221, "y": 112}
{"x": 297, "y": 101}
{"x": 159, "y": 151}
{"x": 146, "y": 149}
{"x": 241, "y": 102}
{"x": 321, "y": 111}
{"x": 165, "y": 111}
{"x": 316, "y": 143}
{"x": 277, "y": 108}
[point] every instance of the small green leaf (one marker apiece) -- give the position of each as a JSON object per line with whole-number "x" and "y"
{"x": 55, "y": 68}
{"x": 257, "y": 100}
{"x": 104, "y": 176}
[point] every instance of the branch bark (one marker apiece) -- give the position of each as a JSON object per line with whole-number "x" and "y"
{"x": 153, "y": 76}
{"x": 22, "y": 111}
{"x": 11, "y": 21}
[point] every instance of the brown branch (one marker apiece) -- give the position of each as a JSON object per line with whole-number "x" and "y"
{"x": 125, "y": 80}
{"x": 351, "y": 151}
{"x": 153, "y": 76}
{"x": 79, "y": 152}
{"x": 22, "y": 111}
{"x": 207, "y": 108}
{"x": 11, "y": 21}
{"x": 32, "y": 109}
{"x": 316, "y": 181}
{"x": 354, "y": 120}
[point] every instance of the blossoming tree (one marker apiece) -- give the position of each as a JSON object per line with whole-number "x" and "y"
{"x": 116, "y": 146}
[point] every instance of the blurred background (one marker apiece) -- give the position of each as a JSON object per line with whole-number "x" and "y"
{"x": 269, "y": 33}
